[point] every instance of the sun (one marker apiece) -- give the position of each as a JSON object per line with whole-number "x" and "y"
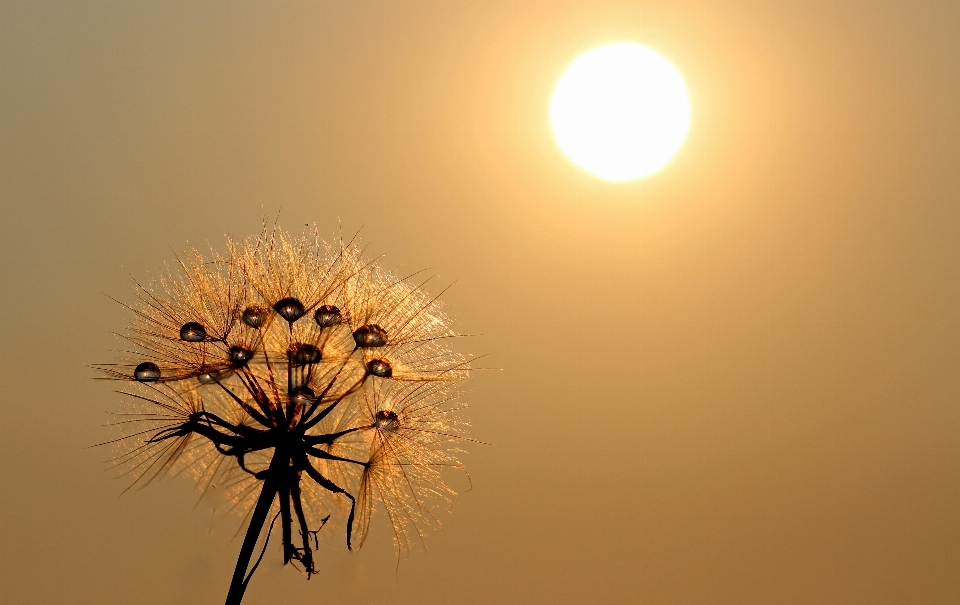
{"x": 620, "y": 111}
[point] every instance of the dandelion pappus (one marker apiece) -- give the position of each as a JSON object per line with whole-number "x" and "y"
{"x": 301, "y": 379}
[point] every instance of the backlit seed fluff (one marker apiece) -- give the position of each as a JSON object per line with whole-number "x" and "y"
{"x": 294, "y": 417}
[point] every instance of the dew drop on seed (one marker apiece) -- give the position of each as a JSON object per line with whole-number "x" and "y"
{"x": 305, "y": 354}
{"x": 214, "y": 376}
{"x": 380, "y": 367}
{"x": 385, "y": 420}
{"x": 147, "y": 372}
{"x": 192, "y": 332}
{"x": 302, "y": 396}
{"x": 290, "y": 309}
{"x": 240, "y": 356}
{"x": 326, "y": 316}
{"x": 255, "y": 316}
{"x": 370, "y": 335}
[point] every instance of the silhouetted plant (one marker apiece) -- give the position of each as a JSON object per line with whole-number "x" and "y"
{"x": 298, "y": 378}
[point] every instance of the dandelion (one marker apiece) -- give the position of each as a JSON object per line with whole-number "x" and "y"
{"x": 300, "y": 379}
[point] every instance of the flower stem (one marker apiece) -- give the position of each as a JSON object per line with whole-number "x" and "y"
{"x": 267, "y": 493}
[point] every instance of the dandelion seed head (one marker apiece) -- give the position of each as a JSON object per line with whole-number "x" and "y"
{"x": 293, "y": 365}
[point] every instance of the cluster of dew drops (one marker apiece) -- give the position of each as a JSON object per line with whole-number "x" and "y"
{"x": 291, "y": 309}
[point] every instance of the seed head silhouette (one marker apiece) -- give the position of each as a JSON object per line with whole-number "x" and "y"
{"x": 300, "y": 379}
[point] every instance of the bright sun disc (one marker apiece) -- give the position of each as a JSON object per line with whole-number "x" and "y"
{"x": 620, "y": 111}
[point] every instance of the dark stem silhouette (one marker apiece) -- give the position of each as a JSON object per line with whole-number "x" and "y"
{"x": 267, "y": 494}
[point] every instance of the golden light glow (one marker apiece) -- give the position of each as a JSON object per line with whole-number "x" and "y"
{"x": 620, "y": 111}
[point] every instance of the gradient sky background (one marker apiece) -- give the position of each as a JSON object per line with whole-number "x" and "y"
{"x": 734, "y": 381}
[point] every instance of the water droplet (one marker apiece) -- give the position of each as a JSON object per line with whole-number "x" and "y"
{"x": 147, "y": 372}
{"x": 290, "y": 309}
{"x": 255, "y": 316}
{"x": 370, "y": 335}
{"x": 385, "y": 420}
{"x": 326, "y": 316}
{"x": 192, "y": 332}
{"x": 302, "y": 396}
{"x": 214, "y": 376}
{"x": 239, "y": 356}
{"x": 305, "y": 354}
{"x": 380, "y": 367}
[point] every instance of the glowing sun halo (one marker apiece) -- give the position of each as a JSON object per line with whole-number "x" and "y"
{"x": 620, "y": 111}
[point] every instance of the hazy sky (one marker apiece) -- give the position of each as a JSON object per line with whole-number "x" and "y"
{"x": 734, "y": 381}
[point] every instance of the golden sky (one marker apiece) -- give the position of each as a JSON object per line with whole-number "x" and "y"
{"x": 733, "y": 381}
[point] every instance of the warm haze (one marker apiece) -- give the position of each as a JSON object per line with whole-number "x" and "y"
{"x": 733, "y": 380}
